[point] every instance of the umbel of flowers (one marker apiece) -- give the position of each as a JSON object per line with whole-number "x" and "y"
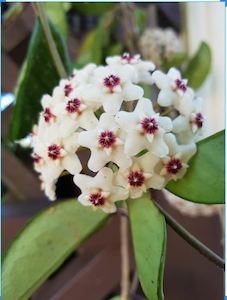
{"x": 135, "y": 143}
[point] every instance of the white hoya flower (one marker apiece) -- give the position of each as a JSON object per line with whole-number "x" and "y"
{"x": 173, "y": 90}
{"x": 83, "y": 75}
{"x": 78, "y": 78}
{"x": 174, "y": 166}
{"x": 74, "y": 112}
{"x": 47, "y": 116}
{"x": 111, "y": 86}
{"x": 53, "y": 154}
{"x": 140, "y": 176}
{"x": 144, "y": 129}
{"x": 190, "y": 126}
{"x": 143, "y": 68}
{"x": 105, "y": 144}
{"x": 100, "y": 191}
{"x": 49, "y": 187}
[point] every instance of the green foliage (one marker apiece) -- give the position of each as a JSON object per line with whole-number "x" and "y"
{"x": 44, "y": 244}
{"x": 38, "y": 76}
{"x": 204, "y": 181}
{"x": 93, "y": 8}
{"x": 140, "y": 19}
{"x": 176, "y": 61}
{"x": 56, "y": 13}
{"x": 149, "y": 241}
{"x": 199, "y": 66}
{"x": 97, "y": 43}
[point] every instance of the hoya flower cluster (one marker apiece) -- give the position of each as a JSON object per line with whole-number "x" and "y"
{"x": 135, "y": 143}
{"x": 159, "y": 44}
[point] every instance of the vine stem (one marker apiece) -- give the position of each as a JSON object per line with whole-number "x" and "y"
{"x": 124, "y": 257}
{"x": 187, "y": 236}
{"x": 38, "y": 8}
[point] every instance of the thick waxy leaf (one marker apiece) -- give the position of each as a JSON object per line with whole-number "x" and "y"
{"x": 199, "y": 66}
{"x": 149, "y": 239}
{"x": 204, "y": 180}
{"x": 38, "y": 76}
{"x": 93, "y": 8}
{"x": 44, "y": 244}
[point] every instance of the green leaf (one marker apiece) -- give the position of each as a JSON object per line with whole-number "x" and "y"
{"x": 44, "y": 244}
{"x": 38, "y": 76}
{"x": 149, "y": 241}
{"x": 56, "y": 13}
{"x": 93, "y": 8}
{"x": 199, "y": 66}
{"x": 204, "y": 181}
{"x": 176, "y": 61}
{"x": 115, "y": 298}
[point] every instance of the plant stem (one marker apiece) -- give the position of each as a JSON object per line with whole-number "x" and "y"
{"x": 134, "y": 284}
{"x": 188, "y": 237}
{"x": 38, "y": 8}
{"x": 124, "y": 257}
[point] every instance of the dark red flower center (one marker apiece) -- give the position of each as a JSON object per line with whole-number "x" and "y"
{"x": 107, "y": 139}
{"x": 199, "y": 119}
{"x": 36, "y": 158}
{"x": 128, "y": 57}
{"x": 54, "y": 151}
{"x": 136, "y": 178}
{"x": 111, "y": 82}
{"x": 174, "y": 166}
{"x": 180, "y": 85}
{"x": 47, "y": 115}
{"x": 73, "y": 106}
{"x": 149, "y": 125}
{"x": 68, "y": 89}
{"x": 97, "y": 199}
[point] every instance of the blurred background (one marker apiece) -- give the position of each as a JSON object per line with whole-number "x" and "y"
{"x": 180, "y": 34}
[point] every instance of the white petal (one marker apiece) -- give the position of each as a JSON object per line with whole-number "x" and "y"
{"x": 161, "y": 80}
{"x": 174, "y": 74}
{"x": 135, "y": 193}
{"x": 107, "y": 122}
{"x": 180, "y": 124}
{"x": 132, "y": 92}
{"x": 166, "y": 98}
{"x": 112, "y": 102}
{"x": 135, "y": 142}
{"x": 121, "y": 159}
{"x": 71, "y": 143}
{"x": 170, "y": 140}
{"x": 145, "y": 106}
{"x": 72, "y": 164}
{"x": 148, "y": 161}
{"x": 156, "y": 182}
{"x": 84, "y": 201}
{"x": 126, "y": 120}
{"x": 97, "y": 160}
{"x": 158, "y": 146}
{"x": 110, "y": 208}
{"x": 165, "y": 123}
{"x": 88, "y": 120}
{"x": 104, "y": 179}
{"x": 88, "y": 139}
{"x": 83, "y": 182}
{"x": 119, "y": 193}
